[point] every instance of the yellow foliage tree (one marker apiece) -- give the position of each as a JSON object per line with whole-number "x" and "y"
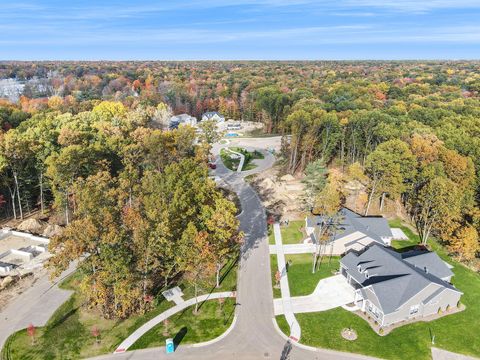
{"x": 465, "y": 242}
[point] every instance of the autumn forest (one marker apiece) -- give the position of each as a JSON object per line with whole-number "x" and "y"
{"x": 86, "y": 143}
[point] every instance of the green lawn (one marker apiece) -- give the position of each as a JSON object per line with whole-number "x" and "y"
{"x": 212, "y": 320}
{"x": 67, "y": 334}
{"x": 413, "y": 239}
{"x": 457, "y": 332}
{"x": 291, "y": 234}
{"x": 273, "y": 269}
{"x": 271, "y": 237}
{"x": 248, "y": 164}
{"x": 300, "y": 278}
{"x": 230, "y": 163}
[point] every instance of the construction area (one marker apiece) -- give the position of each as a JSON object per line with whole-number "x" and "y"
{"x": 21, "y": 252}
{"x": 281, "y": 195}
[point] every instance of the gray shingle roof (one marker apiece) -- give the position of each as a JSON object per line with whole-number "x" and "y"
{"x": 393, "y": 280}
{"x": 349, "y": 222}
{"x": 430, "y": 260}
{"x": 210, "y": 114}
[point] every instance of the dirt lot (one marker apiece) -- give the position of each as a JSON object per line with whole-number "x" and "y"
{"x": 281, "y": 195}
{"x": 18, "y": 286}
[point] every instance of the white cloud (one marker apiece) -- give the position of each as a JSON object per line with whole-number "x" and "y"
{"x": 416, "y": 6}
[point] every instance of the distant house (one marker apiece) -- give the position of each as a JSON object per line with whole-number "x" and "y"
{"x": 213, "y": 115}
{"x": 352, "y": 231}
{"x": 182, "y": 119}
{"x": 392, "y": 287}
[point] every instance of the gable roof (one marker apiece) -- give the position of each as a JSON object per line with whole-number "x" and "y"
{"x": 428, "y": 260}
{"x": 210, "y": 114}
{"x": 182, "y": 118}
{"x": 375, "y": 227}
{"x": 392, "y": 279}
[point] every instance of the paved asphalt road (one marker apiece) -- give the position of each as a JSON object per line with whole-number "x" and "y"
{"x": 254, "y": 335}
{"x": 34, "y": 306}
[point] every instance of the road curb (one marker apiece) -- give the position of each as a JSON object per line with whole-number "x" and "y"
{"x": 220, "y": 337}
{"x": 144, "y": 328}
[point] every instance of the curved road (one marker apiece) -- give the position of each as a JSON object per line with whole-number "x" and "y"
{"x": 254, "y": 335}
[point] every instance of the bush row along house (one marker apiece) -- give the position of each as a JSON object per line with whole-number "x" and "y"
{"x": 394, "y": 287}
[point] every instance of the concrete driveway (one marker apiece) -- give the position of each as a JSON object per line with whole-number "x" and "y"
{"x": 330, "y": 293}
{"x": 294, "y": 249}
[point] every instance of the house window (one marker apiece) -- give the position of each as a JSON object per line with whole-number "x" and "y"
{"x": 413, "y": 309}
{"x": 373, "y": 310}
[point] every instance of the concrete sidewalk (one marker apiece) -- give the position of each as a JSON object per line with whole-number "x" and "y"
{"x": 295, "y": 331}
{"x": 137, "y": 334}
{"x": 242, "y": 159}
{"x": 439, "y": 354}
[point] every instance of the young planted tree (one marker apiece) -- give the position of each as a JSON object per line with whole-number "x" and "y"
{"x": 31, "y": 333}
{"x": 278, "y": 277}
{"x": 96, "y": 334}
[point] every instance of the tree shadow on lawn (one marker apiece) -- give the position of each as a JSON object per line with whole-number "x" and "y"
{"x": 222, "y": 278}
{"x": 60, "y": 319}
{"x": 226, "y": 320}
{"x": 179, "y": 336}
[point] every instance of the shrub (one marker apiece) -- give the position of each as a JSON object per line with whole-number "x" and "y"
{"x": 448, "y": 308}
{"x": 380, "y": 331}
{"x": 439, "y": 312}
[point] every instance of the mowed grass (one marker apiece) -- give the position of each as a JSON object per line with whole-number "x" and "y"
{"x": 67, "y": 334}
{"x": 455, "y": 332}
{"x": 300, "y": 278}
{"x": 212, "y": 320}
{"x": 248, "y": 164}
{"x": 229, "y": 163}
{"x": 273, "y": 269}
{"x": 271, "y": 237}
{"x": 413, "y": 239}
{"x": 291, "y": 234}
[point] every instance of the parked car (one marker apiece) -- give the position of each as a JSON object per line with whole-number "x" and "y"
{"x": 212, "y": 166}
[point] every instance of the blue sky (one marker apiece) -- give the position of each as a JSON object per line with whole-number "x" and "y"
{"x": 239, "y": 29}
